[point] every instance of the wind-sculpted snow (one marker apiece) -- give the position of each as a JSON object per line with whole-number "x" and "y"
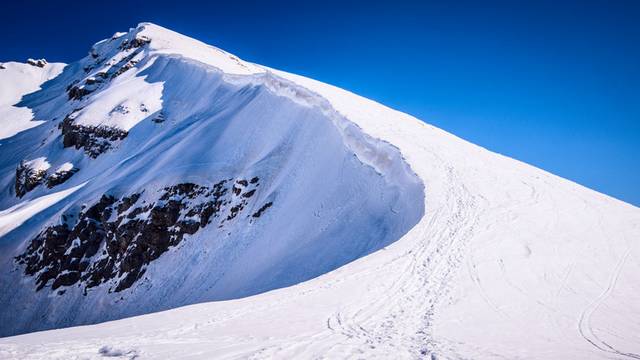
{"x": 505, "y": 261}
{"x": 278, "y": 187}
{"x": 16, "y": 80}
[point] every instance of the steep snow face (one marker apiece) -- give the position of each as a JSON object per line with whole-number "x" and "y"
{"x": 183, "y": 175}
{"x": 17, "y": 80}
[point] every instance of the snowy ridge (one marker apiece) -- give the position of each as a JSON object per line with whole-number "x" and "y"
{"x": 380, "y": 155}
{"x": 169, "y": 156}
{"x": 506, "y": 261}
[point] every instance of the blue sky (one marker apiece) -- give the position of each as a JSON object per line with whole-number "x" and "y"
{"x": 553, "y": 83}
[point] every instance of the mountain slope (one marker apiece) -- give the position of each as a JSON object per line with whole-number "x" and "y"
{"x": 17, "y": 80}
{"x": 160, "y": 181}
{"x": 507, "y": 261}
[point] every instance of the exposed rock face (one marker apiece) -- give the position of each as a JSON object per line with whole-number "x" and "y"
{"x": 38, "y": 63}
{"x": 117, "y": 69}
{"x": 2, "y": 67}
{"x": 28, "y": 178}
{"x": 78, "y": 89}
{"x": 121, "y": 69}
{"x": 60, "y": 177}
{"x": 30, "y": 174}
{"x": 78, "y": 92}
{"x": 114, "y": 240}
{"x": 137, "y": 42}
{"x": 260, "y": 211}
{"x": 159, "y": 118}
{"x": 92, "y": 80}
{"x": 95, "y": 140}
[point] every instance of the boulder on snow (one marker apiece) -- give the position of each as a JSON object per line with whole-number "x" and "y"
{"x": 92, "y": 80}
{"x": 159, "y": 118}
{"x": 30, "y": 174}
{"x": 136, "y": 42}
{"x": 60, "y": 176}
{"x": 38, "y": 63}
{"x": 78, "y": 92}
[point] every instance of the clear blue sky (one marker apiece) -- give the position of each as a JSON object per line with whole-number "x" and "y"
{"x": 552, "y": 83}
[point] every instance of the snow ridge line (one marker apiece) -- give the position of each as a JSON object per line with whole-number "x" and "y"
{"x": 383, "y": 157}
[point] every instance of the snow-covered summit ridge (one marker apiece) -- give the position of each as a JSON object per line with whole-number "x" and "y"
{"x": 159, "y": 41}
{"x": 164, "y": 41}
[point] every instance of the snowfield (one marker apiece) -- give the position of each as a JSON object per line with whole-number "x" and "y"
{"x": 385, "y": 238}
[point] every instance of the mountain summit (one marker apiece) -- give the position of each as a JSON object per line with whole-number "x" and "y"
{"x": 159, "y": 172}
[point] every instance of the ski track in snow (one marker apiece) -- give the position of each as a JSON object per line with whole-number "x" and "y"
{"x": 585, "y": 327}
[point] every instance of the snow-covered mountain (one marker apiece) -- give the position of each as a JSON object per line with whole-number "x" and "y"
{"x": 159, "y": 172}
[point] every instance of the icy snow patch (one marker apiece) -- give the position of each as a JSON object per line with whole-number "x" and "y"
{"x": 65, "y": 167}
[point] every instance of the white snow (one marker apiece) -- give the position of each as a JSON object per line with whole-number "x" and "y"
{"x": 135, "y": 100}
{"x": 118, "y": 34}
{"x": 165, "y": 41}
{"x": 67, "y": 166}
{"x": 16, "y": 80}
{"x": 16, "y": 215}
{"x": 507, "y": 261}
{"x": 38, "y": 164}
{"x": 336, "y": 193}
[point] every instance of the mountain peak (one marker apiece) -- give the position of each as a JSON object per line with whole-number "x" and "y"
{"x": 159, "y": 40}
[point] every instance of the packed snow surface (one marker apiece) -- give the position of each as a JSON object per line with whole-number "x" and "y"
{"x": 503, "y": 260}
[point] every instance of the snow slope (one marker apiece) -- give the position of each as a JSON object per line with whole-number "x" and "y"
{"x": 507, "y": 261}
{"x": 191, "y": 184}
{"x": 16, "y": 80}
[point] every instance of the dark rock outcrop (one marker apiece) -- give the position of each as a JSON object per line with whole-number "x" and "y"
{"x": 136, "y": 42}
{"x": 159, "y": 118}
{"x": 78, "y": 92}
{"x": 121, "y": 66}
{"x": 260, "y": 211}
{"x": 38, "y": 63}
{"x": 114, "y": 240}
{"x": 120, "y": 70}
{"x": 95, "y": 140}
{"x": 60, "y": 177}
{"x": 28, "y": 178}
{"x": 92, "y": 80}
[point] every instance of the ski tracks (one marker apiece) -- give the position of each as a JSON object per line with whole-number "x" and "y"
{"x": 584, "y": 325}
{"x": 400, "y": 319}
